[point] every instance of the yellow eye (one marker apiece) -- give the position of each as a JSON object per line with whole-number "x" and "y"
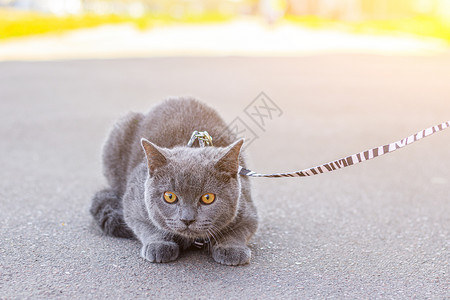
{"x": 170, "y": 197}
{"x": 208, "y": 198}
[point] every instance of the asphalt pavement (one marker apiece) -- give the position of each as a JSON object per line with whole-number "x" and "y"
{"x": 380, "y": 229}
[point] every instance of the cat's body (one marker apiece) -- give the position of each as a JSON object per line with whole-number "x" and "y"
{"x": 161, "y": 194}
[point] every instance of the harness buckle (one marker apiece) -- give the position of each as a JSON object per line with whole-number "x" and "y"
{"x": 204, "y": 139}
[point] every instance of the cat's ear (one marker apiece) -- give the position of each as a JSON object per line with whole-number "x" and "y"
{"x": 155, "y": 159}
{"x": 229, "y": 163}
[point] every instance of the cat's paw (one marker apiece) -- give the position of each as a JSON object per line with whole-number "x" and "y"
{"x": 231, "y": 255}
{"x": 160, "y": 252}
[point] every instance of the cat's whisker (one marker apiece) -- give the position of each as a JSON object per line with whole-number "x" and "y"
{"x": 209, "y": 241}
{"x": 239, "y": 230}
{"x": 212, "y": 235}
{"x": 217, "y": 234}
{"x": 218, "y": 231}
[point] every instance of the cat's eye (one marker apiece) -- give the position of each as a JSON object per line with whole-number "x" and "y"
{"x": 208, "y": 198}
{"x": 170, "y": 197}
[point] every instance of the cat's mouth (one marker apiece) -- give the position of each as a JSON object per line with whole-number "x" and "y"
{"x": 190, "y": 233}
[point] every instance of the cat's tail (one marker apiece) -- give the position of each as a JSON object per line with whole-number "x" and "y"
{"x": 108, "y": 213}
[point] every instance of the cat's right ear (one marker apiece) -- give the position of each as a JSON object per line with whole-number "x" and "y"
{"x": 155, "y": 159}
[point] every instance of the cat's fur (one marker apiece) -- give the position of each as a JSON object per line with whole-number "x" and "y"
{"x": 140, "y": 171}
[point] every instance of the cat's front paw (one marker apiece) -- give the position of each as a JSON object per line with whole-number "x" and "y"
{"x": 231, "y": 255}
{"x": 160, "y": 252}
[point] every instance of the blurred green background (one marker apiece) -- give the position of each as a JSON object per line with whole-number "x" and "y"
{"x": 420, "y": 17}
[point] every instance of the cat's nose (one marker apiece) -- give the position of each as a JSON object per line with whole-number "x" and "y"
{"x": 187, "y": 221}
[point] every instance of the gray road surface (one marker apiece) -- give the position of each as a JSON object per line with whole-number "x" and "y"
{"x": 380, "y": 229}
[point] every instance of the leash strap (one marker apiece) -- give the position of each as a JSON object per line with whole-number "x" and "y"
{"x": 353, "y": 159}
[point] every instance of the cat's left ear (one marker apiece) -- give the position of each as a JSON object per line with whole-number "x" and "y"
{"x": 155, "y": 159}
{"x": 229, "y": 163}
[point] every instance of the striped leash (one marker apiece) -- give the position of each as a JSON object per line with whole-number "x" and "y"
{"x": 204, "y": 138}
{"x": 355, "y": 158}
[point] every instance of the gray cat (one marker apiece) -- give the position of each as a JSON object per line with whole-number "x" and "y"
{"x": 171, "y": 196}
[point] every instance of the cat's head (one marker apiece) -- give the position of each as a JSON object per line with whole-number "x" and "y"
{"x": 192, "y": 192}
